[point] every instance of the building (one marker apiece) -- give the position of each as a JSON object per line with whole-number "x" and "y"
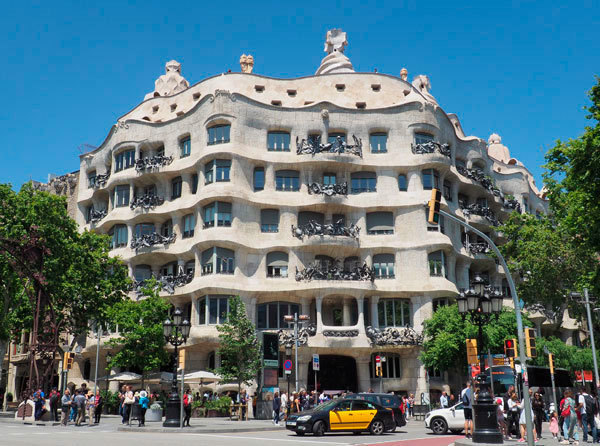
{"x": 303, "y": 195}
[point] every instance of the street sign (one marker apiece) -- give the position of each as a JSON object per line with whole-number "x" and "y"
{"x": 316, "y": 363}
{"x": 287, "y": 366}
{"x": 378, "y": 360}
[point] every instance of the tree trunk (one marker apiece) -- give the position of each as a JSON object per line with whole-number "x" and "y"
{"x": 4, "y": 344}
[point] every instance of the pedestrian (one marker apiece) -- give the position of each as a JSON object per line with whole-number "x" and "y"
{"x": 444, "y": 400}
{"x": 121, "y": 400}
{"x": 514, "y": 413}
{"x": 554, "y": 425}
{"x": 99, "y": 406}
{"x": 500, "y": 417}
{"x": 38, "y": 401}
{"x": 523, "y": 424}
{"x": 466, "y": 397}
{"x": 65, "y": 402}
{"x": 411, "y": 405}
{"x": 128, "y": 402}
{"x": 80, "y": 402}
{"x": 569, "y": 414}
{"x": 452, "y": 401}
{"x": 243, "y": 400}
{"x": 276, "y": 408}
{"x": 538, "y": 406}
{"x": 284, "y": 406}
{"x": 54, "y": 400}
{"x": 91, "y": 407}
{"x": 187, "y": 407}
{"x": 144, "y": 401}
{"x": 588, "y": 408}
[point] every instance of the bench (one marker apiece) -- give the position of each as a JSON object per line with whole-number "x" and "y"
{"x": 419, "y": 411}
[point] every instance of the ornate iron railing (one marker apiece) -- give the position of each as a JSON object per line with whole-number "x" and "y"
{"x": 483, "y": 211}
{"x": 312, "y": 146}
{"x": 394, "y": 336}
{"x": 477, "y": 248}
{"x": 101, "y": 180}
{"x": 315, "y": 228}
{"x": 480, "y": 177}
{"x": 335, "y": 272}
{"x": 146, "y": 201}
{"x": 170, "y": 282}
{"x": 286, "y": 337}
{"x": 431, "y": 147}
{"x": 328, "y": 189}
{"x": 148, "y": 240}
{"x": 511, "y": 203}
{"x": 97, "y": 215}
{"x": 343, "y": 333}
{"x": 153, "y": 162}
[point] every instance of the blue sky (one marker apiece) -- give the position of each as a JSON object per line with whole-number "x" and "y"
{"x": 72, "y": 68}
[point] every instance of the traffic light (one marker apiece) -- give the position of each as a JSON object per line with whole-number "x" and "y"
{"x": 530, "y": 342}
{"x": 510, "y": 348}
{"x": 68, "y": 359}
{"x": 182, "y": 359}
{"x": 433, "y": 217}
{"x": 378, "y": 370}
{"x": 472, "y": 351}
{"x": 551, "y": 362}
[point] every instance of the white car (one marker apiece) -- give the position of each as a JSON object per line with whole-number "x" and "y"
{"x": 450, "y": 419}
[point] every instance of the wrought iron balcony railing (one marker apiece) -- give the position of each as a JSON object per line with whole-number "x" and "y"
{"x": 477, "y": 248}
{"x": 328, "y": 189}
{"x": 153, "y": 162}
{"x": 312, "y": 146}
{"x": 483, "y": 211}
{"x": 101, "y": 180}
{"x": 166, "y": 283}
{"x": 511, "y": 203}
{"x": 146, "y": 201}
{"x": 97, "y": 215}
{"x": 394, "y": 336}
{"x": 480, "y": 177}
{"x": 148, "y": 240}
{"x": 315, "y": 228}
{"x": 335, "y": 272}
{"x": 431, "y": 147}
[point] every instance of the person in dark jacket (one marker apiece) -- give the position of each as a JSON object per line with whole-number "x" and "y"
{"x": 54, "y": 400}
{"x": 538, "y": 406}
{"x": 276, "y": 408}
{"x": 99, "y": 405}
{"x": 187, "y": 407}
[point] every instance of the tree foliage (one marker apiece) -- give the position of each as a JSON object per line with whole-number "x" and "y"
{"x": 568, "y": 357}
{"x": 239, "y": 347}
{"x": 141, "y": 344}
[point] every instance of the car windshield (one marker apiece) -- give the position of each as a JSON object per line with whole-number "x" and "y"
{"x": 327, "y": 405}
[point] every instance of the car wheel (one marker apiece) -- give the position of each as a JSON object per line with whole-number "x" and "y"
{"x": 300, "y": 434}
{"x": 456, "y": 431}
{"x": 439, "y": 426}
{"x": 319, "y": 429}
{"x": 377, "y": 427}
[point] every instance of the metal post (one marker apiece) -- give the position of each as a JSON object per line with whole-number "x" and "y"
{"x": 97, "y": 358}
{"x": 553, "y": 391}
{"x": 591, "y": 328}
{"x": 296, "y": 344}
{"x": 181, "y": 405}
{"x": 316, "y": 393}
{"x": 491, "y": 367}
{"x": 520, "y": 333}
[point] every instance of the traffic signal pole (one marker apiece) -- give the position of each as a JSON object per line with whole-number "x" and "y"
{"x": 520, "y": 332}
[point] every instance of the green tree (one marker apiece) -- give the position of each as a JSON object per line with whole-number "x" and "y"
{"x": 67, "y": 276}
{"x": 141, "y": 344}
{"x": 239, "y": 347}
{"x": 444, "y": 346}
{"x": 568, "y": 357}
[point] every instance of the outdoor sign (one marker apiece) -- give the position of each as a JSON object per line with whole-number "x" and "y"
{"x": 587, "y": 375}
{"x": 316, "y": 363}
{"x": 287, "y": 366}
{"x": 378, "y": 360}
{"x": 271, "y": 350}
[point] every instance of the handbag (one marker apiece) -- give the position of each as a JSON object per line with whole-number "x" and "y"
{"x": 597, "y": 421}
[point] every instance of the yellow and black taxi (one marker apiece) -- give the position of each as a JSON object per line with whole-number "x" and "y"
{"x": 340, "y": 415}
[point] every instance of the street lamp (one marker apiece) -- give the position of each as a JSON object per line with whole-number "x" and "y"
{"x": 482, "y": 303}
{"x": 296, "y": 320}
{"x": 176, "y": 333}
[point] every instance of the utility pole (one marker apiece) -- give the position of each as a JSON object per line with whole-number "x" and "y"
{"x": 97, "y": 357}
{"x": 296, "y": 320}
{"x": 591, "y": 328}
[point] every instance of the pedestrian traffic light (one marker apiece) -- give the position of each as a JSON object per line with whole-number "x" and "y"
{"x": 472, "y": 351}
{"x": 68, "y": 359}
{"x": 378, "y": 370}
{"x": 551, "y": 362}
{"x": 510, "y": 348}
{"x": 530, "y": 342}
{"x": 433, "y": 217}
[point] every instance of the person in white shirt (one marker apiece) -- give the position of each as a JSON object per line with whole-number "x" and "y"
{"x": 283, "y": 408}
{"x": 444, "y": 400}
{"x": 466, "y": 397}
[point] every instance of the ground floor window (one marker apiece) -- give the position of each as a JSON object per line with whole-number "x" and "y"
{"x": 390, "y": 365}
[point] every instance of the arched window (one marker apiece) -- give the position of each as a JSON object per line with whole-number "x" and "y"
{"x": 119, "y": 236}
{"x": 383, "y": 264}
{"x": 305, "y": 216}
{"x": 217, "y": 170}
{"x": 431, "y": 179}
{"x": 380, "y": 223}
{"x": 213, "y": 309}
{"x": 363, "y": 182}
{"x": 402, "y": 183}
{"x": 287, "y": 180}
{"x": 394, "y": 313}
{"x": 423, "y": 138}
{"x": 278, "y": 141}
{"x": 269, "y": 220}
{"x": 390, "y": 368}
{"x": 219, "y": 134}
{"x": 124, "y": 160}
{"x": 270, "y": 315}
{"x": 437, "y": 264}
{"x": 277, "y": 264}
{"x": 378, "y": 142}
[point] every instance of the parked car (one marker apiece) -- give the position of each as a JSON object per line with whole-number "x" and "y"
{"x": 387, "y": 400}
{"x": 442, "y": 420}
{"x": 354, "y": 415}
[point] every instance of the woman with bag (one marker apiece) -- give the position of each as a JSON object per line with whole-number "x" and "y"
{"x": 570, "y": 416}
{"x": 513, "y": 414}
{"x": 187, "y": 407}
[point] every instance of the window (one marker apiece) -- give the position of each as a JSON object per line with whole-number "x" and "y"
{"x": 447, "y": 190}
{"x": 185, "y": 147}
{"x": 390, "y": 367}
{"x": 306, "y": 216}
{"x": 332, "y": 137}
{"x": 437, "y": 264}
{"x": 383, "y": 264}
{"x": 433, "y": 372}
{"x": 119, "y": 236}
{"x": 506, "y": 288}
{"x": 402, "y": 183}
{"x": 144, "y": 229}
{"x": 142, "y": 272}
{"x": 324, "y": 262}
{"x": 351, "y": 262}
{"x": 423, "y": 138}
{"x": 217, "y": 170}
{"x": 166, "y": 230}
{"x": 525, "y": 205}
{"x": 189, "y": 223}
{"x": 176, "y": 184}
{"x": 394, "y": 312}
{"x": 269, "y": 220}
{"x": 194, "y": 183}
{"x": 218, "y": 134}
{"x": 380, "y": 223}
{"x": 190, "y": 267}
{"x": 122, "y": 196}
{"x": 213, "y": 309}
{"x": 329, "y": 179}
{"x": 378, "y": 142}
{"x": 278, "y": 141}
{"x": 221, "y": 260}
{"x": 363, "y": 182}
{"x": 259, "y": 178}
{"x": 124, "y": 160}
{"x": 287, "y": 180}
{"x": 437, "y": 303}
{"x": 270, "y": 315}
{"x": 91, "y": 179}
{"x": 217, "y": 213}
{"x": 148, "y": 190}
{"x": 463, "y": 200}
{"x": 482, "y": 201}
{"x": 431, "y": 179}
{"x": 168, "y": 269}
{"x": 277, "y": 264}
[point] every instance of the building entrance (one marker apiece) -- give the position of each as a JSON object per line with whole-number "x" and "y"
{"x": 337, "y": 373}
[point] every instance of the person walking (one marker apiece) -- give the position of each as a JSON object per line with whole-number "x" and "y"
{"x": 276, "y": 408}
{"x": 466, "y": 397}
{"x": 80, "y": 401}
{"x": 65, "y": 408}
{"x": 128, "y": 402}
{"x": 143, "y": 402}
{"x": 39, "y": 402}
{"x": 99, "y": 406}
{"x": 187, "y": 407}
{"x": 54, "y": 400}
{"x": 91, "y": 407}
{"x": 569, "y": 414}
{"x": 588, "y": 407}
{"x": 538, "y": 406}
{"x": 523, "y": 424}
{"x": 284, "y": 406}
{"x": 411, "y": 405}
{"x": 444, "y": 400}
{"x": 514, "y": 413}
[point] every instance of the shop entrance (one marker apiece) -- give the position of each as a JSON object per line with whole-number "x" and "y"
{"x": 337, "y": 373}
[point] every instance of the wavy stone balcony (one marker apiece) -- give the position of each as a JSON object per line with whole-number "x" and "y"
{"x": 335, "y": 272}
{"x": 152, "y": 163}
{"x": 152, "y": 239}
{"x": 484, "y": 180}
{"x": 482, "y": 211}
{"x": 327, "y": 189}
{"x": 337, "y": 229}
{"x": 312, "y": 146}
{"x": 394, "y": 336}
{"x": 431, "y": 147}
{"x": 165, "y": 283}
{"x": 146, "y": 201}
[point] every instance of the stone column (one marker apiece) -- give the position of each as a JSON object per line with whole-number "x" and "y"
{"x": 319, "y": 306}
{"x": 362, "y": 371}
{"x": 186, "y": 184}
{"x": 361, "y": 314}
{"x": 374, "y": 314}
{"x": 413, "y": 179}
{"x": 305, "y": 301}
{"x": 269, "y": 177}
{"x": 177, "y": 225}
{"x": 421, "y": 381}
{"x": 346, "y": 315}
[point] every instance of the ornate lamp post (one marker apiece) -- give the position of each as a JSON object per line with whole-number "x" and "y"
{"x": 176, "y": 333}
{"x": 296, "y": 320}
{"x": 482, "y": 303}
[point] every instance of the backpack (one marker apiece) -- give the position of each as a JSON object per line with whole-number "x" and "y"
{"x": 590, "y": 405}
{"x": 465, "y": 399}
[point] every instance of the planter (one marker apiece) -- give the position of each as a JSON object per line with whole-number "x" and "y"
{"x": 199, "y": 412}
{"x": 154, "y": 415}
{"x": 211, "y": 413}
